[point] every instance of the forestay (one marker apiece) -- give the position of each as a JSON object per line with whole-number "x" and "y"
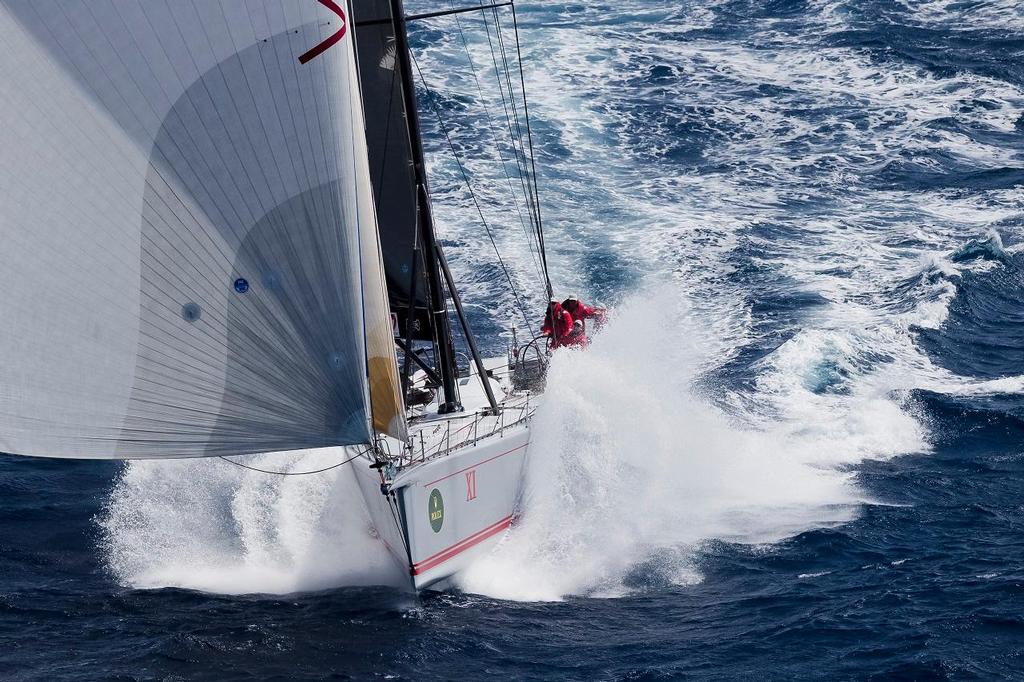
{"x": 189, "y": 262}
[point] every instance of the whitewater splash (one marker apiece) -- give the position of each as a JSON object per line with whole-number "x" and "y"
{"x": 630, "y": 468}
{"x": 207, "y": 525}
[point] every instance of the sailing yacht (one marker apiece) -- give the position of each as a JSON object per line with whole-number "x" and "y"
{"x": 218, "y": 240}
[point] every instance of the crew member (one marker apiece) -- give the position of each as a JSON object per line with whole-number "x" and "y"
{"x": 581, "y": 312}
{"x": 557, "y": 324}
{"x": 577, "y": 336}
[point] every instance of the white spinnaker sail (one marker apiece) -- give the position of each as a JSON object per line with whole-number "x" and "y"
{"x": 180, "y": 251}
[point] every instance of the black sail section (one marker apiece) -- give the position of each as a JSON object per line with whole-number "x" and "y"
{"x": 391, "y": 164}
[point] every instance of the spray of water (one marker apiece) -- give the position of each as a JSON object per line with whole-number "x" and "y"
{"x": 629, "y": 468}
{"x": 210, "y": 526}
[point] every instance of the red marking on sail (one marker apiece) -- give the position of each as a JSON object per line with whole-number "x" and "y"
{"x": 338, "y": 35}
{"x": 461, "y": 546}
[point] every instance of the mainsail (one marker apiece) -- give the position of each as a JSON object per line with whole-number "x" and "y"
{"x": 189, "y": 262}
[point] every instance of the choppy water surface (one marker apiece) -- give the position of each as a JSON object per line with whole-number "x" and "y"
{"x": 797, "y": 452}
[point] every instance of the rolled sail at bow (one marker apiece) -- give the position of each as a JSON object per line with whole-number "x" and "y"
{"x": 189, "y": 259}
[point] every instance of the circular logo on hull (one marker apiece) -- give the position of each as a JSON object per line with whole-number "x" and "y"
{"x": 435, "y": 507}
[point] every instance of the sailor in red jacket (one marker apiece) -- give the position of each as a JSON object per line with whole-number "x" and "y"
{"x": 557, "y": 324}
{"x": 580, "y": 311}
{"x": 577, "y": 336}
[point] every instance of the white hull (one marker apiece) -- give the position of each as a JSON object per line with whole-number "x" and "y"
{"x": 479, "y": 490}
{"x": 444, "y": 510}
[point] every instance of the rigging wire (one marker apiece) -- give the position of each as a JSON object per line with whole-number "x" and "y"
{"x": 294, "y": 473}
{"x": 530, "y": 174}
{"x": 472, "y": 193}
{"x": 501, "y": 154}
{"x": 505, "y": 72}
{"x": 529, "y": 139}
{"x": 510, "y": 119}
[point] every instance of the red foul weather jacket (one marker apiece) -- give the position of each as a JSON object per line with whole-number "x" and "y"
{"x": 580, "y": 311}
{"x": 559, "y": 330}
{"x": 576, "y": 337}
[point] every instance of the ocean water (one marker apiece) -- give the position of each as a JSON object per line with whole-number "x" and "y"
{"x": 795, "y": 453}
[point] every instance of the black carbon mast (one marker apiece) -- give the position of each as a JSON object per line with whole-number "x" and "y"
{"x": 438, "y": 273}
{"x": 446, "y": 365}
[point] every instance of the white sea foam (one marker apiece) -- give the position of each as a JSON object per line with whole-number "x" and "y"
{"x": 998, "y": 14}
{"x": 208, "y": 525}
{"x": 627, "y": 462}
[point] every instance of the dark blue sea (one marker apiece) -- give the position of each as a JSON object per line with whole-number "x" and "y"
{"x": 796, "y": 452}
